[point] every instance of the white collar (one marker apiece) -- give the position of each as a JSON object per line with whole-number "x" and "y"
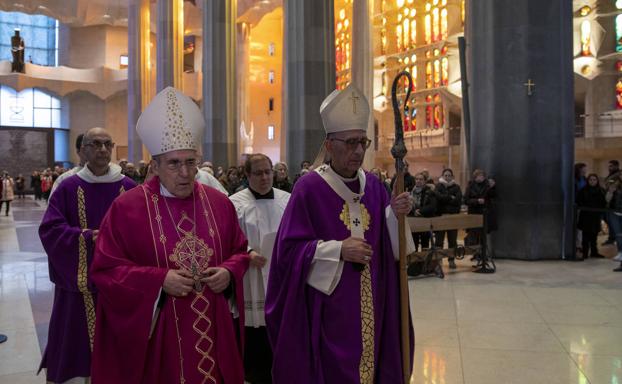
{"x": 164, "y": 192}
{"x": 112, "y": 176}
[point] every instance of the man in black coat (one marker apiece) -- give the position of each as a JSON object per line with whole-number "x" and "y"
{"x": 449, "y": 198}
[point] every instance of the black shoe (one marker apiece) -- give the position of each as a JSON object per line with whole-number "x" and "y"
{"x": 608, "y": 242}
{"x": 452, "y": 264}
{"x": 619, "y": 269}
{"x": 3, "y": 338}
{"x": 597, "y": 256}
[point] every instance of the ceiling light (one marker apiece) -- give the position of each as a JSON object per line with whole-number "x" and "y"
{"x": 106, "y": 16}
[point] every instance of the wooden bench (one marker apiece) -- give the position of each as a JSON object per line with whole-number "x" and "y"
{"x": 444, "y": 223}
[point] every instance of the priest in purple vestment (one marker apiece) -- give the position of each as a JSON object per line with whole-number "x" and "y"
{"x": 332, "y": 306}
{"x": 169, "y": 265}
{"x": 68, "y": 232}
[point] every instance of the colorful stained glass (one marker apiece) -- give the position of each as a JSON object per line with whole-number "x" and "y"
{"x": 586, "y": 32}
{"x": 619, "y": 94}
{"x": 435, "y": 25}
{"x": 444, "y": 71}
{"x": 428, "y": 28}
{"x": 428, "y": 75}
{"x": 444, "y": 30}
{"x": 437, "y": 73}
{"x": 619, "y": 33}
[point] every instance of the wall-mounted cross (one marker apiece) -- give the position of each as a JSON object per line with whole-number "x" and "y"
{"x": 530, "y": 86}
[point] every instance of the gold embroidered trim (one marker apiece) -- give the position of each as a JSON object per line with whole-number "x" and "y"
{"x": 204, "y": 344}
{"x": 365, "y": 217}
{"x": 366, "y": 366}
{"x": 89, "y": 304}
{"x": 184, "y": 249}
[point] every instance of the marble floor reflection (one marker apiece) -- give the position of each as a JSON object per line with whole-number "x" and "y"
{"x": 529, "y": 323}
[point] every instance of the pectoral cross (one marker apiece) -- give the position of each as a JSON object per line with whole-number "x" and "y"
{"x": 354, "y": 99}
{"x": 196, "y": 276}
{"x": 529, "y": 84}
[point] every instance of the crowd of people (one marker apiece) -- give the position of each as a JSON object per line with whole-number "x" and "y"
{"x": 597, "y": 203}
{"x": 160, "y": 278}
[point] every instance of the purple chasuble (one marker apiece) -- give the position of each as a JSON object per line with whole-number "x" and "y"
{"x": 316, "y": 338}
{"x": 75, "y": 209}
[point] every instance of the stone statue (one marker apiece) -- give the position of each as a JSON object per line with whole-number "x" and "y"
{"x": 247, "y": 138}
{"x": 17, "y": 49}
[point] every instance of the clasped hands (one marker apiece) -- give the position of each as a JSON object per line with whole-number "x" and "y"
{"x": 179, "y": 282}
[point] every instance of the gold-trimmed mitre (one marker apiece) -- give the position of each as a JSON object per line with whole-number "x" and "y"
{"x": 345, "y": 110}
{"x": 171, "y": 122}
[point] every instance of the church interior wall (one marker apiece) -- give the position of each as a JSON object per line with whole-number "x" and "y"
{"x": 115, "y": 46}
{"x": 86, "y": 111}
{"x": 87, "y": 47}
{"x": 116, "y": 123}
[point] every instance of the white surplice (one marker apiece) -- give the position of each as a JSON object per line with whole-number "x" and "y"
{"x": 259, "y": 220}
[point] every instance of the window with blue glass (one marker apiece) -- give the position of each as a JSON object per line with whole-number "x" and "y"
{"x": 40, "y": 34}
{"x": 34, "y": 108}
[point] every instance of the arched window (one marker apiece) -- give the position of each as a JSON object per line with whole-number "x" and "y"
{"x": 40, "y": 34}
{"x": 33, "y": 108}
{"x": 343, "y": 39}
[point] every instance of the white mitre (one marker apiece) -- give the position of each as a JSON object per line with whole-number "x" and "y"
{"x": 345, "y": 110}
{"x": 171, "y": 122}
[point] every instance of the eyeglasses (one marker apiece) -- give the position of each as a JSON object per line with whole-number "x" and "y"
{"x": 98, "y": 144}
{"x": 260, "y": 173}
{"x": 353, "y": 144}
{"x": 175, "y": 164}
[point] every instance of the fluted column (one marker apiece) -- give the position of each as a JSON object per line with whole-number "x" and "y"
{"x": 170, "y": 43}
{"x": 362, "y": 65}
{"x": 309, "y": 75}
{"x": 219, "y": 92}
{"x": 138, "y": 72}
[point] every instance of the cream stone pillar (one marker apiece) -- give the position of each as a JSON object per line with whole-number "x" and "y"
{"x": 219, "y": 83}
{"x": 170, "y": 43}
{"x": 138, "y": 72}
{"x": 363, "y": 65}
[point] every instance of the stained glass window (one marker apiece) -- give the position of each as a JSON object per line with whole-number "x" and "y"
{"x": 343, "y": 39}
{"x": 619, "y": 33}
{"x": 40, "y": 34}
{"x": 586, "y": 32}
{"x": 29, "y": 108}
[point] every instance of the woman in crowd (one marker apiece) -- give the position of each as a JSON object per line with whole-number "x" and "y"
{"x": 46, "y": 184}
{"x": 424, "y": 205}
{"x": 231, "y": 180}
{"x": 20, "y": 186}
{"x": 479, "y": 197}
{"x": 590, "y": 196}
{"x": 7, "y": 191}
{"x": 35, "y": 184}
{"x": 281, "y": 179}
{"x": 449, "y": 198}
{"x": 614, "y": 199}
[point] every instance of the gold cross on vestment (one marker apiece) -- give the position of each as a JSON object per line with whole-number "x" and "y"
{"x": 530, "y": 84}
{"x": 354, "y": 99}
{"x": 196, "y": 276}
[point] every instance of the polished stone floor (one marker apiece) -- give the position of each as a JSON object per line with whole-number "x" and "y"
{"x": 529, "y": 323}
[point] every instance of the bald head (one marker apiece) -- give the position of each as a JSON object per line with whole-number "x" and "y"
{"x": 97, "y": 148}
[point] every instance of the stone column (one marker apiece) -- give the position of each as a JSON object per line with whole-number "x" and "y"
{"x": 138, "y": 72}
{"x": 309, "y": 76}
{"x": 170, "y": 44}
{"x": 363, "y": 65}
{"x": 219, "y": 93}
{"x": 524, "y": 141}
{"x": 242, "y": 72}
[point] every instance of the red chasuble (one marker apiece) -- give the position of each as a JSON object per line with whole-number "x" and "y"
{"x": 194, "y": 339}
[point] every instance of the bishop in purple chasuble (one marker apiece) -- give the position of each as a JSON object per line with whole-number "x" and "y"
{"x": 75, "y": 210}
{"x": 330, "y": 321}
